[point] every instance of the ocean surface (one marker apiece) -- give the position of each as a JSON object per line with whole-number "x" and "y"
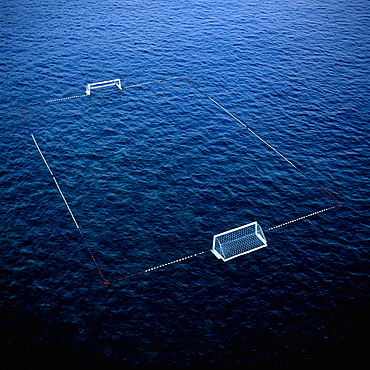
{"x": 152, "y": 172}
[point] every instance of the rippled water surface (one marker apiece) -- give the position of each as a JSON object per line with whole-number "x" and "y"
{"x": 152, "y": 172}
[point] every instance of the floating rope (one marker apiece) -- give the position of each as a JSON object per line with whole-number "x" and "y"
{"x": 300, "y": 218}
{"x": 69, "y": 97}
{"x": 265, "y": 142}
{"x": 51, "y": 101}
{"x": 67, "y": 205}
{"x": 56, "y": 182}
{"x": 156, "y": 267}
{"x": 150, "y": 82}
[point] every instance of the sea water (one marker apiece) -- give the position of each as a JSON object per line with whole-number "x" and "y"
{"x": 151, "y": 173}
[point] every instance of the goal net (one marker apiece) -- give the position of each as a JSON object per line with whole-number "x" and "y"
{"x": 97, "y": 85}
{"x": 236, "y": 242}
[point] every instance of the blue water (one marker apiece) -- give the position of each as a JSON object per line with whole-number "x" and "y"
{"x": 152, "y": 173}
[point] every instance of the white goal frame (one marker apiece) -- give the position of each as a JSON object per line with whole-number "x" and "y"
{"x": 97, "y": 85}
{"x": 236, "y": 242}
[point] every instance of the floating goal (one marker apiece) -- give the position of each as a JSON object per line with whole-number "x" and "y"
{"x": 97, "y": 85}
{"x": 236, "y": 242}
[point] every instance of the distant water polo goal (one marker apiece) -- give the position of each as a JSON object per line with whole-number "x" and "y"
{"x": 236, "y": 242}
{"x": 97, "y": 85}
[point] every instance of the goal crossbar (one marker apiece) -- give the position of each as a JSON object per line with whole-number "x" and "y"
{"x": 97, "y": 85}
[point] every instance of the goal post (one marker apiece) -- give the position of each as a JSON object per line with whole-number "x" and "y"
{"x": 236, "y": 242}
{"x": 97, "y": 85}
